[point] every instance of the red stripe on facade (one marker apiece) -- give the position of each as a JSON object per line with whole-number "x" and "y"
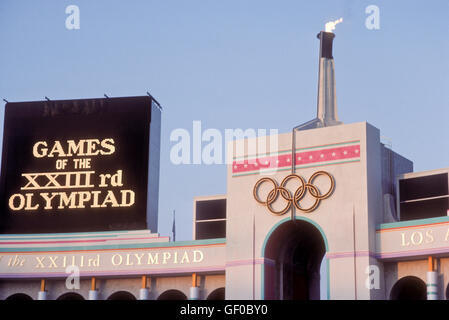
{"x": 302, "y": 158}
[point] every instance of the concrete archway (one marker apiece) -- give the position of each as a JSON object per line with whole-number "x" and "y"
{"x": 122, "y": 295}
{"x": 409, "y": 288}
{"x": 217, "y": 294}
{"x": 296, "y": 250}
{"x": 70, "y": 296}
{"x": 19, "y": 297}
{"x": 172, "y": 295}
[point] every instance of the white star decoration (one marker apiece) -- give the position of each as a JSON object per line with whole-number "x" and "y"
{"x": 288, "y": 160}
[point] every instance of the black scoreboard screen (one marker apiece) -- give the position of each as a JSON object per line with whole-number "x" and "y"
{"x": 76, "y": 165}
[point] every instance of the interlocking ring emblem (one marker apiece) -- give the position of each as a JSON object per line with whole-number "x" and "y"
{"x": 297, "y": 196}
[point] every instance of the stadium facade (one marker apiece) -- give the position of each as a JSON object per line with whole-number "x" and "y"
{"x": 327, "y": 212}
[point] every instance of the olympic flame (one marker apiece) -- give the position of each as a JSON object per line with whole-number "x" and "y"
{"x": 329, "y": 26}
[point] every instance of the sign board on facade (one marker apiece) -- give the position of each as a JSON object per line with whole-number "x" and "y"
{"x": 76, "y": 165}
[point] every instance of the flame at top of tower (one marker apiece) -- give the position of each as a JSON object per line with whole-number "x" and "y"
{"x": 330, "y": 26}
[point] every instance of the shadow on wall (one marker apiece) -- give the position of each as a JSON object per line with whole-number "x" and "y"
{"x": 447, "y": 292}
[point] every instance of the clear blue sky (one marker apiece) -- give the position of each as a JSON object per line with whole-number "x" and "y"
{"x": 237, "y": 64}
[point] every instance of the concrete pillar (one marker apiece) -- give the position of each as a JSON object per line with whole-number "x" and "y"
{"x": 42, "y": 295}
{"x": 432, "y": 285}
{"x": 93, "y": 295}
{"x": 432, "y": 280}
{"x": 194, "y": 290}
{"x": 144, "y": 294}
{"x": 93, "y": 292}
{"x": 194, "y": 293}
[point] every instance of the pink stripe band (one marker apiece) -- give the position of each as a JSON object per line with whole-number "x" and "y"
{"x": 76, "y": 241}
{"x": 302, "y": 158}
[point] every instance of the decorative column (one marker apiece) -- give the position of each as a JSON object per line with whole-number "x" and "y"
{"x": 194, "y": 290}
{"x": 42, "y": 295}
{"x": 432, "y": 281}
{"x": 144, "y": 293}
{"x": 93, "y": 292}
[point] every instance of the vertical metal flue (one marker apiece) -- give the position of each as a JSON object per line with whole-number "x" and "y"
{"x": 326, "y": 99}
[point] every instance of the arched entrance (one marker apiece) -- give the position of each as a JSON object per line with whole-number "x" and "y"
{"x": 19, "y": 297}
{"x": 409, "y": 288}
{"x": 122, "y": 295}
{"x": 217, "y": 294}
{"x": 172, "y": 295}
{"x": 296, "y": 250}
{"x": 70, "y": 296}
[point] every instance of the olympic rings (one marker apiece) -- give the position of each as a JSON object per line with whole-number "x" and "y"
{"x": 299, "y": 194}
